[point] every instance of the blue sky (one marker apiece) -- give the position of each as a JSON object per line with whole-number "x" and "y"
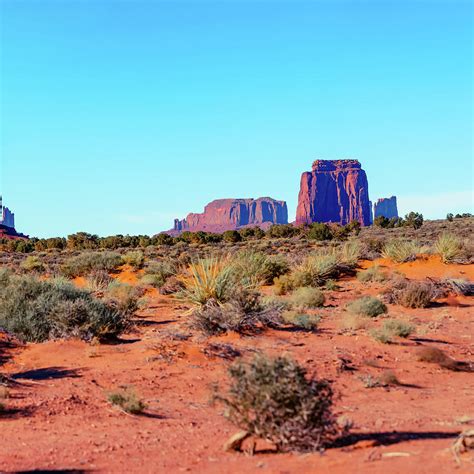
{"x": 117, "y": 116}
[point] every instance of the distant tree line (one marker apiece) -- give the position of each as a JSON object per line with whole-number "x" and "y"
{"x": 316, "y": 231}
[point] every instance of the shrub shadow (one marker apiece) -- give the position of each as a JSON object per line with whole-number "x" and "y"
{"x": 46, "y": 373}
{"x": 393, "y": 437}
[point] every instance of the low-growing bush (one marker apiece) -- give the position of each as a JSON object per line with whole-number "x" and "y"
{"x": 36, "y": 310}
{"x": 367, "y": 306}
{"x": 245, "y": 313}
{"x": 134, "y": 258}
{"x": 89, "y": 261}
{"x": 297, "y": 319}
{"x": 272, "y": 399}
{"x": 411, "y": 294}
{"x": 127, "y": 400}
{"x": 32, "y": 263}
{"x": 123, "y": 296}
{"x": 157, "y": 273}
{"x": 372, "y": 274}
{"x": 283, "y": 284}
{"x": 307, "y": 297}
{"x": 392, "y": 328}
{"x": 449, "y": 247}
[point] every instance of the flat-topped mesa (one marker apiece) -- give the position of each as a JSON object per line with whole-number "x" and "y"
{"x": 386, "y": 207}
{"x": 334, "y": 191}
{"x": 232, "y": 214}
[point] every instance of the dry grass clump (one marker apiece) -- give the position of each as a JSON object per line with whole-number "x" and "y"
{"x": 98, "y": 280}
{"x": 273, "y": 399}
{"x": 307, "y": 298}
{"x": 254, "y": 268}
{"x": 367, "y": 306}
{"x": 127, "y": 400}
{"x": 411, "y": 294}
{"x": 400, "y": 251}
{"x": 324, "y": 265}
{"x": 449, "y": 247}
{"x": 392, "y": 328}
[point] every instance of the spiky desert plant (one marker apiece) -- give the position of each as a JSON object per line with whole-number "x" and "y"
{"x": 449, "y": 247}
{"x": 209, "y": 279}
{"x": 400, "y": 251}
{"x": 316, "y": 269}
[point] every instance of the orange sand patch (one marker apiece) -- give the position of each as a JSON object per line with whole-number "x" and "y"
{"x": 80, "y": 282}
{"x": 425, "y": 266}
{"x": 128, "y": 275}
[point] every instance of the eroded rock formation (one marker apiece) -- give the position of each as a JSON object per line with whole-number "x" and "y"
{"x": 231, "y": 214}
{"x": 334, "y": 191}
{"x": 386, "y": 207}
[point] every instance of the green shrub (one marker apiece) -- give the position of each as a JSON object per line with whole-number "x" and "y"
{"x": 367, "y": 306}
{"x": 400, "y": 251}
{"x": 134, "y": 258}
{"x": 254, "y": 268}
{"x": 32, "y": 264}
{"x": 372, "y": 274}
{"x": 301, "y": 320}
{"x": 307, "y": 297}
{"x": 273, "y": 399}
{"x": 283, "y": 284}
{"x": 127, "y": 400}
{"x": 123, "y": 296}
{"x": 449, "y": 247}
{"x": 89, "y": 261}
{"x": 392, "y": 328}
{"x": 35, "y": 311}
{"x": 319, "y": 231}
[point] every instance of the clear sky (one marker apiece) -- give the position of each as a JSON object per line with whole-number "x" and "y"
{"x": 118, "y": 116}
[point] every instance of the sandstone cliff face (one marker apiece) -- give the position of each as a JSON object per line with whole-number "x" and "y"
{"x": 334, "y": 191}
{"x": 230, "y": 214}
{"x": 386, "y": 207}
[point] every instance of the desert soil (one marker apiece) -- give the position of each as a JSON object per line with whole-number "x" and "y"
{"x": 58, "y": 417}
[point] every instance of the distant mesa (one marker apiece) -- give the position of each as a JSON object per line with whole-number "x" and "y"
{"x": 334, "y": 191}
{"x": 7, "y": 223}
{"x": 386, "y": 207}
{"x": 233, "y": 214}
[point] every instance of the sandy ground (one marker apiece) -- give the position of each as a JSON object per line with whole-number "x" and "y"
{"x": 58, "y": 416}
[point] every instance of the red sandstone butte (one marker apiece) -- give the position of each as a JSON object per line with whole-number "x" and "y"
{"x": 334, "y": 191}
{"x": 386, "y": 207}
{"x": 231, "y": 214}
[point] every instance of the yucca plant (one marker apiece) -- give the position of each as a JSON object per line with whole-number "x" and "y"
{"x": 449, "y": 247}
{"x": 400, "y": 251}
{"x": 316, "y": 269}
{"x": 208, "y": 279}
